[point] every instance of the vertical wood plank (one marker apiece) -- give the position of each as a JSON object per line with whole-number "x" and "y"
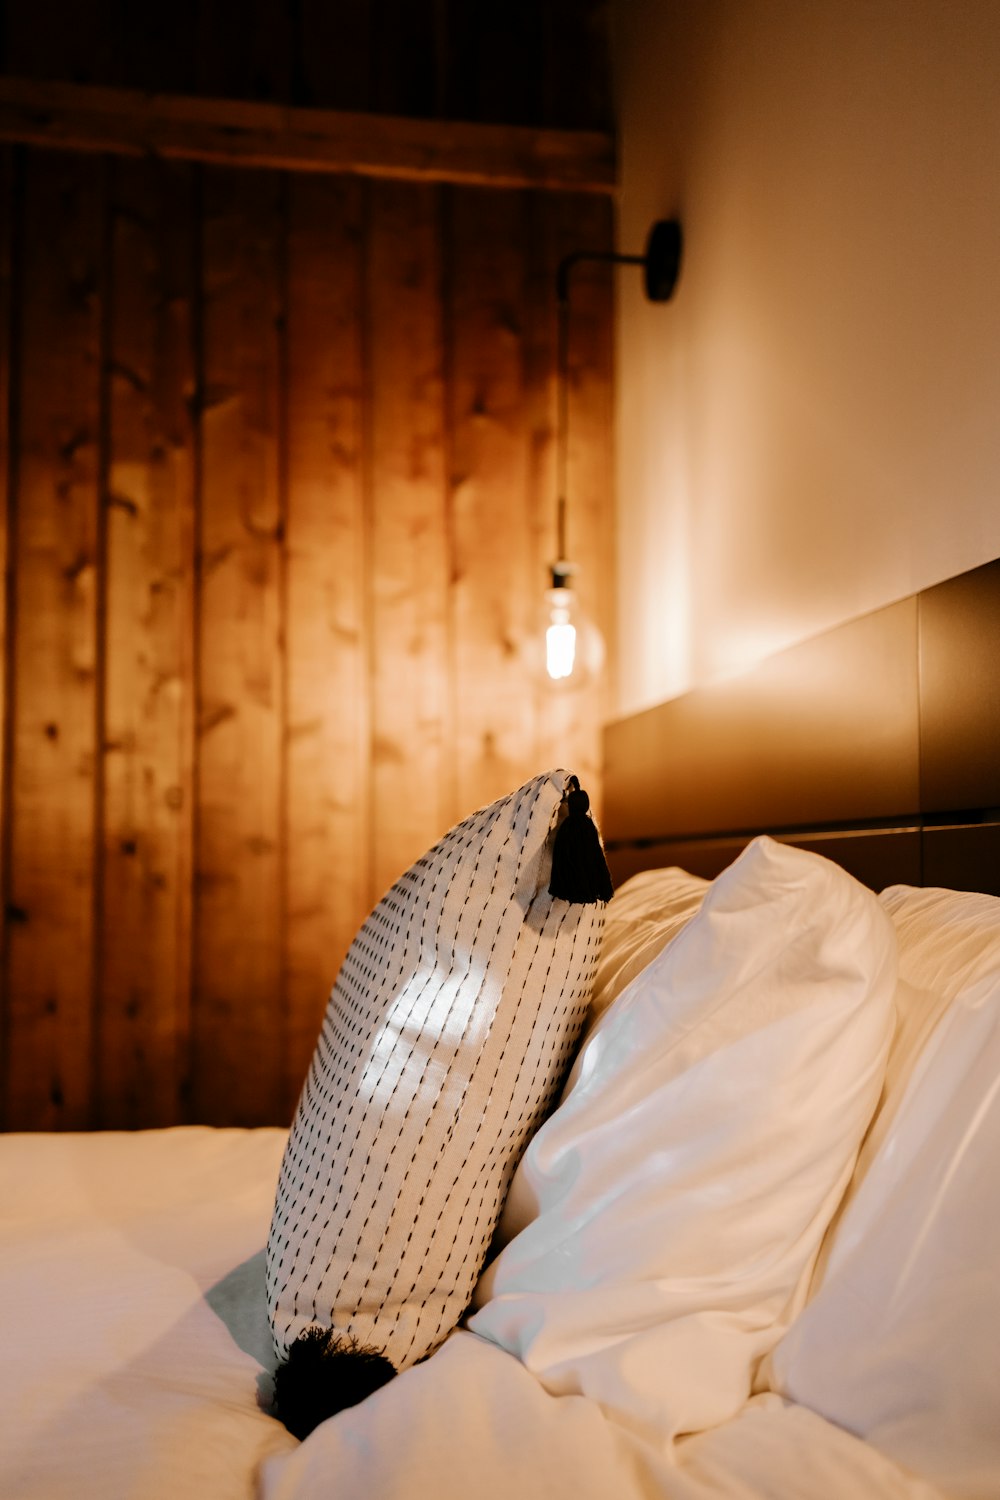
{"x": 144, "y": 1019}
{"x": 495, "y": 59}
{"x": 238, "y": 1002}
{"x": 244, "y": 49}
{"x": 555, "y": 738}
{"x": 327, "y": 812}
{"x": 333, "y": 61}
{"x": 407, "y": 57}
{"x": 590, "y": 472}
{"x": 154, "y": 45}
{"x": 413, "y": 802}
{"x": 51, "y": 39}
{"x": 576, "y": 65}
{"x": 492, "y": 595}
{"x": 7, "y": 211}
{"x": 51, "y": 898}
{"x": 569, "y": 725}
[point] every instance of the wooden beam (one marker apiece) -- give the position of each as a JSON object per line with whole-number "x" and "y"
{"x": 234, "y": 133}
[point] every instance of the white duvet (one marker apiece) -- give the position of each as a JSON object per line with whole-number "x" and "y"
{"x": 474, "y": 1424}
{"x": 135, "y": 1340}
{"x": 136, "y": 1347}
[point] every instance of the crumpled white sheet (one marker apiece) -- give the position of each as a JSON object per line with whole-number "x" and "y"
{"x": 473, "y": 1424}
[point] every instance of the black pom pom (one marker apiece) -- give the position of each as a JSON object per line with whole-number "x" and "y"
{"x": 323, "y": 1374}
{"x": 579, "y": 870}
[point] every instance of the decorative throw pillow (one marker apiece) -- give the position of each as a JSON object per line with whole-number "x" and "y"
{"x": 447, "y": 1036}
{"x": 662, "y": 1224}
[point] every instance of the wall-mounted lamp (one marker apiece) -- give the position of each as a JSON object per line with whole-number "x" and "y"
{"x": 573, "y": 648}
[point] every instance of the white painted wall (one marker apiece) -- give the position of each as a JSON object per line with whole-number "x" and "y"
{"x": 811, "y": 428}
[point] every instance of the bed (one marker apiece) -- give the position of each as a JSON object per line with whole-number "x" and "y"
{"x": 833, "y": 1330}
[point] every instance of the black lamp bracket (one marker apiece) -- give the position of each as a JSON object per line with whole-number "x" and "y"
{"x": 661, "y": 266}
{"x": 661, "y": 263}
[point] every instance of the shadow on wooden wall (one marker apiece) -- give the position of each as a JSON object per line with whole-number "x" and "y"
{"x": 278, "y": 502}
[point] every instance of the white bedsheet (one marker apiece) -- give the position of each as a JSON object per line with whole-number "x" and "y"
{"x": 133, "y": 1323}
{"x": 135, "y": 1339}
{"x": 474, "y": 1424}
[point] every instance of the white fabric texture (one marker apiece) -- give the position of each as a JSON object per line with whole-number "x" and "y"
{"x": 446, "y": 1039}
{"x": 899, "y": 1343}
{"x": 135, "y": 1324}
{"x": 472, "y": 1422}
{"x": 948, "y": 941}
{"x": 133, "y": 1319}
{"x": 645, "y": 913}
{"x": 660, "y": 1231}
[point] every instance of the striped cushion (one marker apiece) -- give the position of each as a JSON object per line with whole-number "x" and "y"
{"x": 446, "y": 1038}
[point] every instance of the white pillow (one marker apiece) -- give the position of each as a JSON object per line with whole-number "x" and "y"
{"x": 663, "y": 1221}
{"x": 447, "y": 1036}
{"x": 644, "y": 915}
{"x": 900, "y": 1342}
{"x": 947, "y": 941}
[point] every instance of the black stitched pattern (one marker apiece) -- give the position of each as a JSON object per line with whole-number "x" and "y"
{"x": 446, "y": 1038}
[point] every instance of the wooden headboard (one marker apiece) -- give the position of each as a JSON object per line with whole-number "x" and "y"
{"x": 876, "y": 743}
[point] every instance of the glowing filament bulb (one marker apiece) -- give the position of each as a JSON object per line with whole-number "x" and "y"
{"x": 564, "y": 650}
{"x": 560, "y": 637}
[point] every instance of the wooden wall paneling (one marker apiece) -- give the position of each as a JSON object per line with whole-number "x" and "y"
{"x": 494, "y": 743}
{"x": 332, "y": 68}
{"x": 238, "y": 1001}
{"x": 144, "y": 1018}
{"x": 235, "y": 132}
{"x": 54, "y": 39}
{"x": 327, "y": 811}
{"x": 412, "y": 796}
{"x": 591, "y": 530}
{"x": 244, "y": 49}
{"x": 408, "y": 57}
{"x": 576, "y": 64}
{"x": 7, "y": 344}
{"x": 495, "y": 61}
{"x": 49, "y": 960}
{"x": 555, "y": 714}
{"x": 154, "y": 46}
{"x": 570, "y": 723}
{"x": 529, "y": 61}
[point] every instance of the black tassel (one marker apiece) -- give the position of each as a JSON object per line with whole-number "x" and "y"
{"x": 323, "y": 1374}
{"x": 579, "y": 870}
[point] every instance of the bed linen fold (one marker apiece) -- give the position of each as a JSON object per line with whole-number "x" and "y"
{"x": 134, "y": 1324}
{"x": 473, "y": 1421}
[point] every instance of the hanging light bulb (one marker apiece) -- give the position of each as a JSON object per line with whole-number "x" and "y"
{"x": 568, "y": 650}
{"x": 568, "y": 647}
{"x": 560, "y": 634}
